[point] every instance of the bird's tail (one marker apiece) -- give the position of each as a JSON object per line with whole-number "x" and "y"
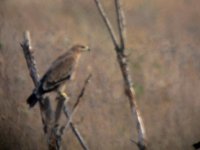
{"x": 33, "y": 99}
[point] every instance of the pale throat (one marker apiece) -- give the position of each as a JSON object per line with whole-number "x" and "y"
{"x": 77, "y": 57}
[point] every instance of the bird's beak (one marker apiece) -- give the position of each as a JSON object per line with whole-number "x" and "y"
{"x": 87, "y": 48}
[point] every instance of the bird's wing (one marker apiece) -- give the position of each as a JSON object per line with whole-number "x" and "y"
{"x": 60, "y": 71}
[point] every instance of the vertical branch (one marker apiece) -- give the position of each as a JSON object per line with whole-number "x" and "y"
{"x": 60, "y": 104}
{"x": 50, "y": 130}
{"x": 107, "y": 23}
{"x": 30, "y": 60}
{"x": 45, "y": 108}
{"x": 129, "y": 91}
{"x": 122, "y": 60}
{"x": 121, "y": 24}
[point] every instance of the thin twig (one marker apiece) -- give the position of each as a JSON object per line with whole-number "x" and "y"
{"x": 75, "y": 130}
{"x": 82, "y": 92}
{"x": 120, "y": 24}
{"x": 75, "y": 107}
{"x": 107, "y": 22}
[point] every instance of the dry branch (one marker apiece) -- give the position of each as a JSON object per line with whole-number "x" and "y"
{"x": 51, "y": 131}
{"x": 75, "y": 107}
{"x": 122, "y": 60}
{"x": 120, "y": 24}
{"x": 30, "y": 60}
{"x": 129, "y": 91}
{"x": 107, "y": 23}
{"x": 61, "y": 102}
{"x": 75, "y": 130}
{"x": 45, "y": 107}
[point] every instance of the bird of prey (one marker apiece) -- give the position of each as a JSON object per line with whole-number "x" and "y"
{"x": 61, "y": 70}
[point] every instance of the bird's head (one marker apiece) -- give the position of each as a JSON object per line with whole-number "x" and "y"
{"x": 80, "y": 48}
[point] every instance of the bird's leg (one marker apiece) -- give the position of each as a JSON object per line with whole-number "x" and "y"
{"x": 62, "y": 94}
{"x": 62, "y": 98}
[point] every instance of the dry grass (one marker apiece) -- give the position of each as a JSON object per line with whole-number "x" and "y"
{"x": 163, "y": 41}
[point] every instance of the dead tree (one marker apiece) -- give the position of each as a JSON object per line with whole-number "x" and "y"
{"x": 52, "y": 129}
{"x": 123, "y": 63}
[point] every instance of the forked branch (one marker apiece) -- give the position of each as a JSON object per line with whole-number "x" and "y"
{"x": 30, "y": 60}
{"x": 45, "y": 107}
{"x": 75, "y": 107}
{"x": 122, "y": 60}
{"x": 107, "y": 23}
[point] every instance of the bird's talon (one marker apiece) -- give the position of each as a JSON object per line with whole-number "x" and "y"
{"x": 62, "y": 95}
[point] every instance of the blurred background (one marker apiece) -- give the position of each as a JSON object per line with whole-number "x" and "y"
{"x": 163, "y": 41}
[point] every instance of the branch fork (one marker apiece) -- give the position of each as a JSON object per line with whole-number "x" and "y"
{"x": 120, "y": 48}
{"x": 50, "y": 118}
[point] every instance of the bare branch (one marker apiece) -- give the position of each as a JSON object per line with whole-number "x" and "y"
{"x": 30, "y": 60}
{"x": 129, "y": 91}
{"x": 61, "y": 105}
{"x": 122, "y": 60}
{"x": 120, "y": 24}
{"x": 47, "y": 113}
{"x": 59, "y": 108}
{"x": 82, "y": 92}
{"x": 141, "y": 147}
{"x": 45, "y": 107}
{"x": 50, "y": 129}
{"x": 75, "y": 130}
{"x": 75, "y": 107}
{"x": 107, "y": 23}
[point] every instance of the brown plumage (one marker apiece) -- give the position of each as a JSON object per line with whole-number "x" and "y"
{"x": 61, "y": 70}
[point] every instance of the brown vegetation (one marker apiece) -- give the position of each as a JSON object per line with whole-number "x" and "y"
{"x": 163, "y": 41}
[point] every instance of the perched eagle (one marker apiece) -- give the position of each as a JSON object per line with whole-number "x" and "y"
{"x": 59, "y": 72}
